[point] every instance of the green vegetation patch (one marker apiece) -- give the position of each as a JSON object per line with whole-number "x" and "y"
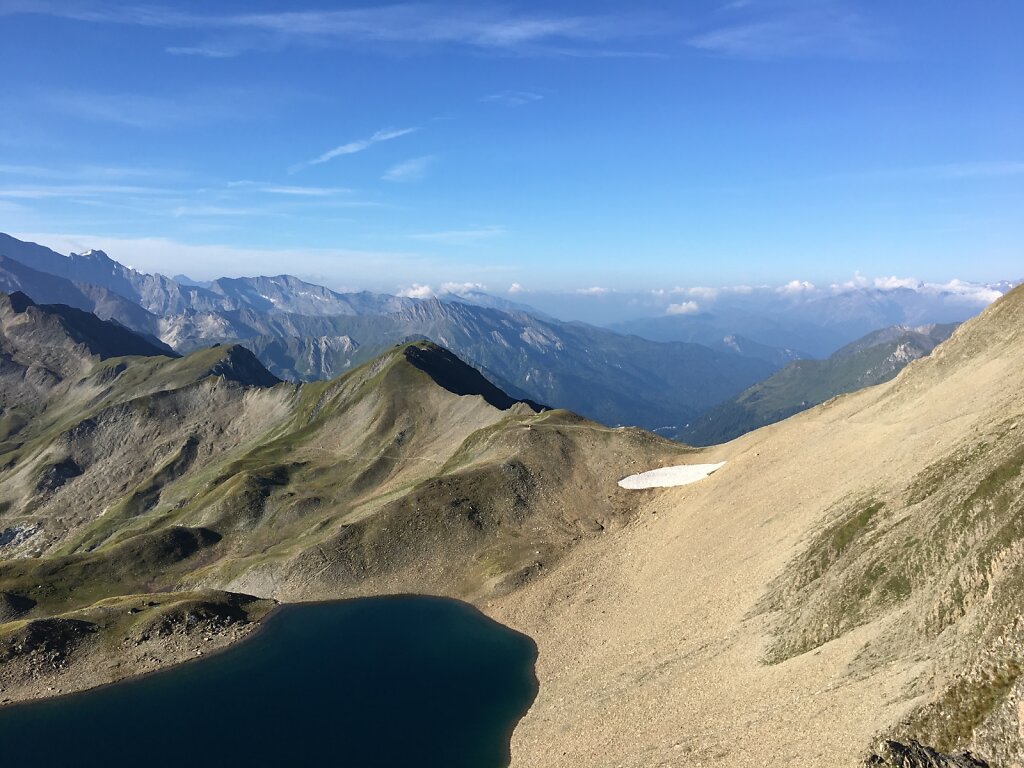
{"x": 840, "y": 578}
{"x": 950, "y": 721}
{"x": 944, "y": 551}
{"x": 144, "y": 563}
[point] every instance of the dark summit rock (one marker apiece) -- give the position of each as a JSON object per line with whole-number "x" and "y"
{"x": 14, "y": 606}
{"x": 895, "y": 754}
{"x": 449, "y": 372}
{"x": 57, "y": 637}
{"x": 55, "y": 475}
{"x": 20, "y": 302}
{"x": 241, "y": 366}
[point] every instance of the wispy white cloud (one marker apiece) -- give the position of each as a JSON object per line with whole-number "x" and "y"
{"x": 352, "y": 147}
{"x": 133, "y": 110}
{"x": 410, "y": 170}
{"x": 796, "y": 288}
{"x": 15, "y": 210}
{"x": 216, "y": 210}
{"x": 512, "y": 98}
{"x": 417, "y": 291}
{"x": 820, "y": 30}
{"x": 459, "y": 289}
{"x": 424, "y": 291}
{"x": 409, "y": 24}
{"x": 970, "y": 292}
{"x": 984, "y": 169}
{"x": 91, "y": 173}
{"x": 976, "y": 170}
{"x": 594, "y": 290}
{"x": 683, "y": 308}
{"x": 959, "y": 290}
{"x": 205, "y": 51}
{"x": 43, "y": 191}
{"x": 290, "y": 190}
{"x": 892, "y": 283}
{"x": 460, "y": 236}
{"x": 154, "y": 112}
{"x": 30, "y": 170}
{"x": 704, "y": 292}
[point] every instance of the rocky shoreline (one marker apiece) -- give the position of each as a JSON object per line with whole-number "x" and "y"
{"x": 120, "y": 639}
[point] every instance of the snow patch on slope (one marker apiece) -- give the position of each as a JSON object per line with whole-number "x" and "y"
{"x": 669, "y": 477}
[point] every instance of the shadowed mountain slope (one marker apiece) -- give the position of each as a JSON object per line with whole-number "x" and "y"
{"x": 34, "y": 324}
{"x": 802, "y": 384}
{"x": 452, "y": 374}
{"x": 45, "y": 348}
{"x": 50, "y": 289}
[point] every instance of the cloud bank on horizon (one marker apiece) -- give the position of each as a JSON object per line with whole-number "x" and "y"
{"x": 591, "y": 303}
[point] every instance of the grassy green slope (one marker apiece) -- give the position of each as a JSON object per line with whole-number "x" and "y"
{"x": 409, "y": 473}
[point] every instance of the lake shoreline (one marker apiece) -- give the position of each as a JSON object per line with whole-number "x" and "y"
{"x": 253, "y": 630}
{"x": 300, "y": 663}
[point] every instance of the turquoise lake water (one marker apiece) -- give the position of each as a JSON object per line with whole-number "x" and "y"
{"x": 378, "y": 682}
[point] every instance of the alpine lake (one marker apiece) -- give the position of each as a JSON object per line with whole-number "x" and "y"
{"x": 367, "y": 683}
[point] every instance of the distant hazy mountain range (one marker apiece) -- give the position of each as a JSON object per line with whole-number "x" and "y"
{"x": 306, "y": 332}
{"x": 654, "y": 373}
{"x": 802, "y": 384}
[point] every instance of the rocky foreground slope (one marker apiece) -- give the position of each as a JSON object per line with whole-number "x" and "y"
{"x": 851, "y": 574}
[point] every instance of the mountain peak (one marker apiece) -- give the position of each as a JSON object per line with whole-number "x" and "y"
{"x": 62, "y": 340}
{"x": 449, "y": 372}
{"x": 236, "y": 363}
{"x": 17, "y": 300}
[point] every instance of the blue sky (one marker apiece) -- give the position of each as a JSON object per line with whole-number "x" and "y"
{"x": 555, "y": 146}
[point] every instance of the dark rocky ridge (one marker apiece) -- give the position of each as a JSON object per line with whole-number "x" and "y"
{"x": 13, "y": 606}
{"x": 894, "y": 754}
{"x": 449, "y": 372}
{"x": 103, "y": 338}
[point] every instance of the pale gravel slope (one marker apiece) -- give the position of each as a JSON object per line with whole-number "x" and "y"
{"x": 648, "y": 652}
